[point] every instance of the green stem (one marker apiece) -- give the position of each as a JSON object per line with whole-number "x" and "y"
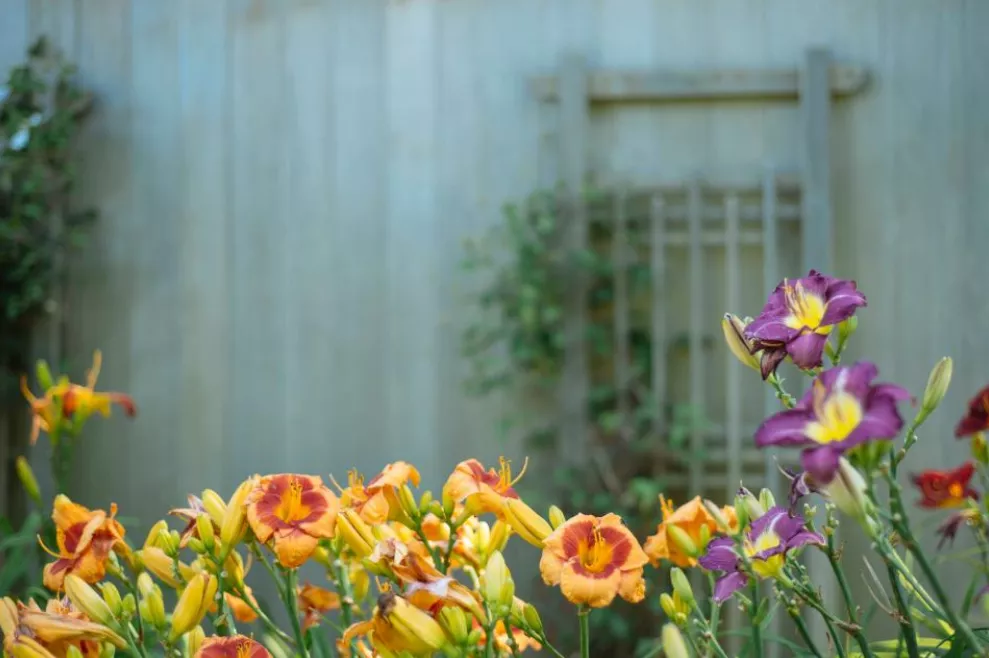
{"x": 265, "y": 619}
{"x": 785, "y": 398}
{"x": 847, "y": 595}
{"x": 798, "y": 621}
{"x": 756, "y": 622}
{"x": 828, "y": 618}
{"x": 342, "y": 581}
{"x": 512, "y": 642}
{"x": 715, "y": 608}
{"x": 489, "y": 633}
{"x": 907, "y": 631}
{"x": 583, "y": 615}
{"x": 292, "y": 605}
{"x": 132, "y": 588}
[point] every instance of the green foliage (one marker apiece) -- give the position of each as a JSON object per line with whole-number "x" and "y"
{"x": 518, "y": 344}
{"x": 40, "y": 113}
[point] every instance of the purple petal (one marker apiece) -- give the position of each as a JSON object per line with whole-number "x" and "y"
{"x": 821, "y": 463}
{"x": 842, "y": 298}
{"x": 857, "y": 378}
{"x": 772, "y": 357}
{"x": 768, "y": 521}
{"x": 803, "y": 538}
{"x": 807, "y": 350}
{"x": 787, "y": 428}
{"x": 891, "y": 391}
{"x": 728, "y": 585}
{"x": 815, "y": 284}
{"x": 881, "y": 420}
{"x": 770, "y": 327}
{"x": 720, "y": 555}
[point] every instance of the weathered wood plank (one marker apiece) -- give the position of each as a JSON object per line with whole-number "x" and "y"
{"x": 696, "y": 334}
{"x": 815, "y": 108}
{"x": 658, "y": 86}
{"x": 770, "y": 278}
{"x": 733, "y": 382}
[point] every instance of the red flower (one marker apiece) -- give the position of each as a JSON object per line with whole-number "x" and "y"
{"x": 977, "y": 418}
{"x": 944, "y": 489}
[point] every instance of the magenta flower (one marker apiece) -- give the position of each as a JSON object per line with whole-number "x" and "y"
{"x": 841, "y": 410}
{"x": 765, "y": 545}
{"x": 799, "y": 317}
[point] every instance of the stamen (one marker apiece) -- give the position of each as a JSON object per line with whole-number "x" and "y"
{"x": 504, "y": 473}
{"x": 525, "y": 465}
{"x": 336, "y": 484}
{"x": 93, "y": 373}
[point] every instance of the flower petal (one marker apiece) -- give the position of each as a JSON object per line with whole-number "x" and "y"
{"x": 807, "y": 350}
{"x": 632, "y": 586}
{"x": 550, "y": 567}
{"x": 803, "y": 538}
{"x": 579, "y": 585}
{"x": 772, "y": 357}
{"x": 786, "y": 428}
{"x": 720, "y": 555}
{"x": 728, "y": 585}
{"x": 293, "y": 547}
{"x": 770, "y": 328}
{"x": 821, "y": 463}
{"x": 843, "y": 298}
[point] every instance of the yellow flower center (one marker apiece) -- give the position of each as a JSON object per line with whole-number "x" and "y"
{"x": 292, "y": 508}
{"x": 956, "y": 490}
{"x": 595, "y": 555}
{"x": 769, "y": 567}
{"x": 243, "y": 649}
{"x": 806, "y": 310}
{"x": 838, "y": 414}
{"x": 505, "y": 480}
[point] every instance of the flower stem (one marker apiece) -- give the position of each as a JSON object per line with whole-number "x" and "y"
{"x": 715, "y": 609}
{"x": 583, "y": 614}
{"x": 907, "y": 631}
{"x": 798, "y": 621}
{"x": 342, "y": 581}
{"x": 756, "y": 623}
{"x": 847, "y": 595}
{"x": 292, "y": 604}
{"x": 785, "y": 398}
{"x": 265, "y": 619}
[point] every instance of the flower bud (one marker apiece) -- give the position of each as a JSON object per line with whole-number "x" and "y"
{"x": 322, "y": 556}
{"x": 355, "y": 532}
{"x": 87, "y": 600}
{"x": 425, "y": 503}
{"x": 449, "y": 504}
{"x": 192, "y": 605}
{"x": 666, "y": 603}
{"x": 474, "y": 637}
{"x": 205, "y": 528}
{"x": 846, "y": 328}
{"x": 937, "y": 385}
{"x": 215, "y": 506}
{"x": 145, "y": 584}
{"x": 767, "y": 499}
{"x": 128, "y": 606}
{"x": 980, "y": 449}
{"x": 531, "y": 616}
{"x": 360, "y": 582}
{"x": 44, "y": 375}
{"x": 682, "y": 540}
{"x": 500, "y": 532}
{"x": 734, "y": 330}
{"x": 556, "y": 517}
{"x": 408, "y": 502}
{"x": 154, "y": 534}
{"x": 720, "y": 520}
{"x": 499, "y": 588}
{"x": 194, "y": 640}
{"x": 235, "y": 519}
{"x": 107, "y": 650}
{"x": 526, "y": 522}
{"x": 483, "y": 537}
{"x": 753, "y": 508}
{"x": 847, "y": 490}
{"x": 111, "y": 595}
{"x": 152, "y": 608}
{"x": 28, "y": 481}
{"x": 197, "y": 546}
{"x": 681, "y": 585}
{"x": 73, "y": 652}
{"x": 704, "y": 534}
{"x": 673, "y": 644}
{"x": 454, "y": 622}
{"x": 413, "y": 625}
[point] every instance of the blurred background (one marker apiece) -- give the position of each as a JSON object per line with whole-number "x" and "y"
{"x": 339, "y": 233}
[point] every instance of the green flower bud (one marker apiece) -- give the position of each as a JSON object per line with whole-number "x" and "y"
{"x": 531, "y": 616}
{"x": 937, "y": 385}
{"x": 682, "y": 540}
{"x": 767, "y": 499}
{"x": 681, "y": 585}
{"x": 556, "y": 517}
{"x": 673, "y": 644}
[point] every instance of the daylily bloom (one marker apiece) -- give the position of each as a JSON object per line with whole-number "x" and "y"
{"x": 593, "y": 559}
{"x": 976, "y": 418}
{"x": 376, "y": 500}
{"x": 842, "y": 409}
{"x": 945, "y": 489}
{"x": 501, "y": 639}
{"x": 396, "y": 626}
{"x": 46, "y": 411}
{"x": 799, "y": 317}
{"x": 84, "y": 539}
{"x": 79, "y": 402}
{"x": 191, "y": 515}
{"x": 766, "y": 543}
{"x": 313, "y": 602}
{"x": 235, "y": 646}
{"x": 294, "y": 512}
{"x": 29, "y": 631}
{"x": 692, "y": 518}
{"x": 470, "y": 477}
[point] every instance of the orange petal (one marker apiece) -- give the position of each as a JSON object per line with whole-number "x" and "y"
{"x": 550, "y": 567}
{"x": 632, "y": 587}
{"x": 324, "y": 524}
{"x": 241, "y": 611}
{"x": 375, "y": 509}
{"x": 582, "y": 587}
{"x": 294, "y": 547}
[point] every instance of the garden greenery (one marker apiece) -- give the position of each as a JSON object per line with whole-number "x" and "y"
{"x": 406, "y": 573}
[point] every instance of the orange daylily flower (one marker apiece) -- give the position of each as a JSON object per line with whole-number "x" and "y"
{"x": 46, "y": 411}
{"x": 27, "y": 630}
{"x": 501, "y": 639}
{"x": 690, "y": 518}
{"x": 470, "y": 477}
{"x": 376, "y": 500}
{"x": 294, "y": 512}
{"x": 396, "y": 626}
{"x": 313, "y": 602}
{"x": 84, "y": 539}
{"x": 80, "y": 402}
{"x": 593, "y": 559}
{"x": 235, "y": 646}
{"x": 241, "y": 610}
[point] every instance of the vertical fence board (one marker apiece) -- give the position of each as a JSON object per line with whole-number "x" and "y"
{"x": 733, "y": 421}
{"x": 815, "y": 109}
{"x": 770, "y": 278}
{"x": 696, "y": 332}
{"x": 657, "y": 311}
{"x": 574, "y": 126}
{"x": 619, "y": 258}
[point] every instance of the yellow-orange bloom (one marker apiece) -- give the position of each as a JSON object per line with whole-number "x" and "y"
{"x": 84, "y": 539}
{"x": 235, "y": 646}
{"x": 46, "y": 411}
{"x": 241, "y": 610}
{"x": 79, "y": 402}
{"x": 470, "y": 477}
{"x": 694, "y": 520}
{"x": 396, "y": 626}
{"x": 313, "y": 602}
{"x": 27, "y": 630}
{"x": 501, "y": 639}
{"x": 377, "y": 500}
{"x": 593, "y": 559}
{"x": 294, "y": 512}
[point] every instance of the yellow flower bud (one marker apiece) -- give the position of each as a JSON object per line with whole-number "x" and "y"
{"x": 28, "y": 481}
{"x": 215, "y": 506}
{"x": 197, "y": 546}
{"x": 194, "y": 640}
{"x": 704, "y": 535}
{"x": 556, "y": 517}
{"x": 449, "y": 504}
{"x": 111, "y": 595}
{"x": 193, "y": 604}
{"x": 205, "y": 528}
{"x": 235, "y": 519}
{"x": 128, "y": 606}
{"x": 415, "y": 626}
{"x": 483, "y": 537}
{"x": 425, "y": 502}
{"x": 767, "y": 499}
{"x": 155, "y": 536}
{"x": 145, "y": 584}
{"x": 107, "y": 650}
{"x": 152, "y": 608}
{"x": 681, "y": 585}
{"x": 355, "y": 532}
{"x": 322, "y": 556}
{"x": 720, "y": 520}
{"x": 673, "y": 644}
{"x": 87, "y": 600}
{"x": 360, "y": 582}
{"x": 937, "y": 385}
{"x": 73, "y": 652}
{"x": 531, "y": 616}
{"x": 163, "y": 567}
{"x": 499, "y": 588}
{"x": 408, "y": 501}
{"x": 454, "y": 622}
{"x": 666, "y": 603}
{"x": 526, "y": 522}
{"x": 500, "y": 532}
{"x": 682, "y": 540}
{"x": 734, "y": 331}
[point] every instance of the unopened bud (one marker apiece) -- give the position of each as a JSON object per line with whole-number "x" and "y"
{"x": 734, "y": 330}
{"x": 556, "y": 517}
{"x": 28, "y": 481}
{"x": 107, "y": 650}
{"x": 937, "y": 385}
{"x": 408, "y": 501}
{"x": 531, "y": 616}
{"x": 154, "y": 535}
{"x": 111, "y": 595}
{"x": 71, "y": 652}
{"x": 767, "y": 499}
{"x": 145, "y": 584}
{"x": 499, "y": 588}
{"x": 847, "y": 491}
{"x": 454, "y": 622}
{"x": 980, "y": 449}
{"x": 449, "y": 504}
{"x": 483, "y": 538}
{"x": 44, "y": 374}
{"x": 719, "y": 518}
{"x": 436, "y": 509}
{"x": 846, "y": 328}
{"x": 681, "y": 585}
{"x": 85, "y": 598}
{"x": 322, "y": 556}
{"x": 360, "y": 582}
{"x": 128, "y": 606}
{"x": 215, "y": 506}
{"x": 500, "y": 532}
{"x": 673, "y": 644}
{"x": 526, "y": 522}
{"x": 235, "y": 519}
{"x": 704, "y": 534}
{"x": 204, "y": 526}
{"x": 425, "y": 502}
{"x": 682, "y": 540}
{"x": 197, "y": 545}
{"x": 753, "y": 508}
{"x": 194, "y": 640}
{"x": 474, "y": 637}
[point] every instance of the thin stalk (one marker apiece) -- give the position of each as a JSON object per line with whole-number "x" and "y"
{"x": 715, "y": 608}
{"x": 342, "y": 581}
{"x": 265, "y": 619}
{"x": 132, "y": 588}
{"x": 907, "y": 631}
{"x": 512, "y": 642}
{"x": 756, "y": 623}
{"x": 583, "y": 615}
{"x": 847, "y": 595}
{"x": 829, "y": 620}
{"x": 785, "y": 398}
{"x": 292, "y": 604}
{"x": 798, "y": 621}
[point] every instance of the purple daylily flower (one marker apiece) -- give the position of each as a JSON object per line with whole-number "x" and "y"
{"x": 801, "y": 485}
{"x": 842, "y": 409}
{"x": 799, "y": 317}
{"x": 766, "y": 543}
